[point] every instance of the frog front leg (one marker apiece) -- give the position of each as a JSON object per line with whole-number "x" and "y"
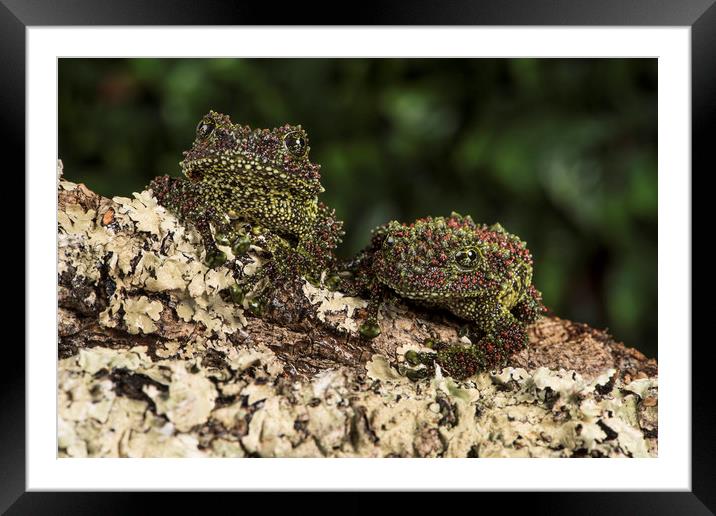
{"x": 496, "y": 334}
{"x": 213, "y": 256}
{"x": 284, "y": 264}
{"x": 530, "y": 307}
{"x": 183, "y": 198}
{"x": 499, "y": 332}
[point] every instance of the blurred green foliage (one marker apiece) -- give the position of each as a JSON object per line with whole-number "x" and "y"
{"x": 561, "y": 151}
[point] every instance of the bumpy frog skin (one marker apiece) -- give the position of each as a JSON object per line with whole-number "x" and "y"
{"x": 263, "y": 177}
{"x": 481, "y": 274}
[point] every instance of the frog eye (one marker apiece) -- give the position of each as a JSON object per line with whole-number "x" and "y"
{"x": 467, "y": 258}
{"x": 295, "y": 143}
{"x": 205, "y": 128}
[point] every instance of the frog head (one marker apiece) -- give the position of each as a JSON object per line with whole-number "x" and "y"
{"x": 450, "y": 258}
{"x": 277, "y": 157}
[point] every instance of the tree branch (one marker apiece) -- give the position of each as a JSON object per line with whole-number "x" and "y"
{"x": 154, "y": 361}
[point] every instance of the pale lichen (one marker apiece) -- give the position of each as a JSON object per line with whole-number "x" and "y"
{"x": 334, "y": 307}
{"x": 512, "y": 413}
{"x": 190, "y": 399}
{"x": 208, "y": 383}
{"x": 143, "y": 249}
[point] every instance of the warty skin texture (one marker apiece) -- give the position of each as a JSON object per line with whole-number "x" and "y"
{"x": 242, "y": 182}
{"x": 480, "y": 273}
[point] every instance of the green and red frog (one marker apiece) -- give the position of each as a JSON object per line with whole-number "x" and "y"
{"x": 480, "y": 273}
{"x": 240, "y": 182}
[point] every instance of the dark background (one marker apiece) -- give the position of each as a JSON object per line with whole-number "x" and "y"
{"x": 560, "y": 151}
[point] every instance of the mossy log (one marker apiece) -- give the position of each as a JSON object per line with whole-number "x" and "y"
{"x": 155, "y": 362}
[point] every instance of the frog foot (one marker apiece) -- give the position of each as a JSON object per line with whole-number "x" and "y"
{"x": 418, "y": 374}
{"x": 422, "y": 365}
{"x": 256, "y": 303}
{"x": 370, "y": 329}
{"x": 458, "y": 361}
{"x": 239, "y": 243}
{"x": 506, "y": 340}
{"x": 222, "y": 238}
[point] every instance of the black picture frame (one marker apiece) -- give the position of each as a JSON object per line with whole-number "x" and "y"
{"x": 17, "y": 15}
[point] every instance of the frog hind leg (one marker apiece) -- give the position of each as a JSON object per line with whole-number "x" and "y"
{"x": 362, "y": 283}
{"x": 498, "y": 335}
{"x": 370, "y": 328}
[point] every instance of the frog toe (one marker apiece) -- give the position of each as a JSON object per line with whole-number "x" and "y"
{"x": 241, "y": 245}
{"x": 236, "y": 293}
{"x": 370, "y": 329}
{"x": 459, "y": 362}
{"x": 214, "y": 258}
{"x": 332, "y": 282}
{"x": 257, "y": 306}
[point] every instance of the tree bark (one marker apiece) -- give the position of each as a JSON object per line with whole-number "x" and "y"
{"x": 154, "y": 361}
